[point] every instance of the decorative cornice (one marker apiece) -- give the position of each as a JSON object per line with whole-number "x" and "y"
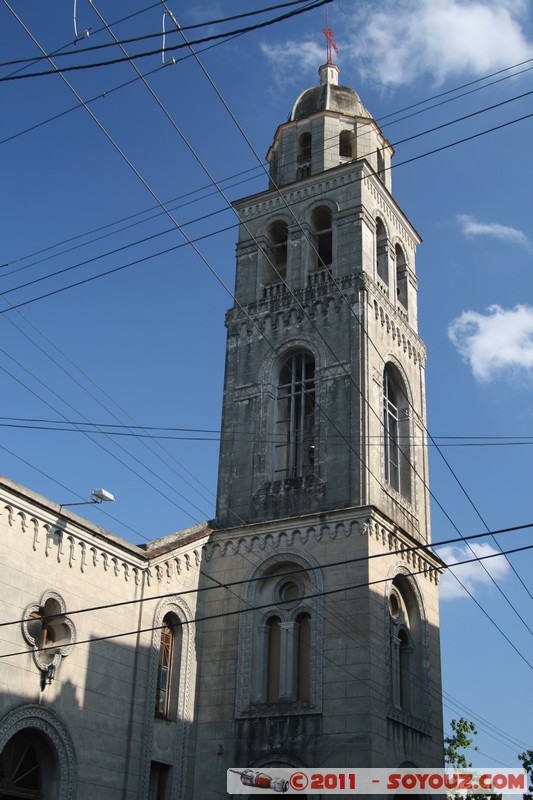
{"x": 401, "y": 334}
{"x": 254, "y": 541}
{"x": 318, "y": 299}
{"x": 368, "y": 522}
{"x": 259, "y": 205}
{"x": 64, "y": 543}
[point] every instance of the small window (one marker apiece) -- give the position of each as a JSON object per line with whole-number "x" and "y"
{"x": 289, "y": 648}
{"x": 276, "y": 256}
{"x": 381, "y": 166}
{"x": 396, "y": 441}
{"x": 401, "y": 276}
{"x": 304, "y": 148}
{"x": 345, "y": 144}
{"x": 304, "y": 657}
{"x": 274, "y": 656}
{"x": 321, "y": 224}
{"x": 168, "y": 667}
{"x": 281, "y": 643}
{"x": 405, "y": 671}
{"x": 390, "y": 422}
{"x": 382, "y": 258}
{"x": 294, "y": 434}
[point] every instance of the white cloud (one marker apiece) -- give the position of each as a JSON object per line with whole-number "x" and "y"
{"x": 471, "y": 227}
{"x": 405, "y": 39}
{"x": 500, "y": 340}
{"x": 472, "y": 575}
{"x": 291, "y": 58}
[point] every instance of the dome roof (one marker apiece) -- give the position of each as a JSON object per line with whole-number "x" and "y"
{"x": 328, "y": 97}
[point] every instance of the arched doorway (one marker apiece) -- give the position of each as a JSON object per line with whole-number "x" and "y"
{"x": 37, "y": 759}
{"x": 21, "y": 768}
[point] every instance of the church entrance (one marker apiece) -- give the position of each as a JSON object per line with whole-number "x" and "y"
{"x": 21, "y": 768}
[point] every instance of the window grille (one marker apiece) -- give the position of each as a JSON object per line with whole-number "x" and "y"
{"x": 294, "y": 446}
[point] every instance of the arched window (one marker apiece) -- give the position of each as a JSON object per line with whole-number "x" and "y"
{"x": 304, "y": 656}
{"x": 396, "y": 442}
{"x": 345, "y": 144}
{"x": 280, "y": 641}
{"x": 274, "y": 655}
{"x": 294, "y": 422}
{"x": 382, "y": 258}
{"x": 305, "y": 142}
{"x": 168, "y": 667}
{"x": 405, "y": 667}
{"x": 321, "y": 224}
{"x": 276, "y": 257}
{"x": 381, "y": 165}
{"x": 304, "y": 147}
{"x": 20, "y": 768}
{"x": 401, "y": 276}
{"x": 408, "y": 689}
{"x": 287, "y": 633}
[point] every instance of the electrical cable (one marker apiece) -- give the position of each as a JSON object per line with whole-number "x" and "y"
{"x": 426, "y": 548}
{"x": 127, "y": 83}
{"x": 210, "y": 23}
{"x": 204, "y": 438}
{"x": 246, "y": 139}
{"x": 66, "y": 488}
{"x": 99, "y": 444}
{"x": 230, "y": 293}
{"x": 327, "y": 592}
{"x": 136, "y": 172}
{"x": 201, "y": 163}
{"x": 214, "y": 37}
{"x": 227, "y": 208}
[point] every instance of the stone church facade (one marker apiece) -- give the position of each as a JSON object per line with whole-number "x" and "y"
{"x": 300, "y": 627}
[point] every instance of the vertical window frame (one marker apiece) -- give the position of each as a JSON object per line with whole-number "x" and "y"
{"x": 294, "y": 418}
{"x": 164, "y": 670}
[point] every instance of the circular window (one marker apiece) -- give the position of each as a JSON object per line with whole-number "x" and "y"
{"x": 289, "y": 592}
{"x": 394, "y": 605}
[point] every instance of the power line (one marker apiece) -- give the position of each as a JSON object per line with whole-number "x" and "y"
{"x": 246, "y": 139}
{"x": 427, "y": 548}
{"x": 225, "y": 229}
{"x": 192, "y": 150}
{"x": 238, "y": 174}
{"x": 214, "y": 213}
{"x": 205, "y": 39}
{"x": 200, "y": 255}
{"x": 82, "y": 50}
{"x": 27, "y": 425}
{"x": 359, "y": 321}
{"x": 67, "y": 488}
{"x": 225, "y": 614}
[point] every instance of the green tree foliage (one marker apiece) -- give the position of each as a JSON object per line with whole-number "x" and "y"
{"x": 461, "y": 738}
{"x": 527, "y": 762}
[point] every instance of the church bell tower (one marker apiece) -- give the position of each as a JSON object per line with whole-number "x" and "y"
{"x": 323, "y": 467}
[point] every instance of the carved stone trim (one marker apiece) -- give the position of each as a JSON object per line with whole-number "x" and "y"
{"x": 53, "y": 728}
{"x": 398, "y": 330}
{"x": 287, "y": 537}
{"x": 51, "y": 657}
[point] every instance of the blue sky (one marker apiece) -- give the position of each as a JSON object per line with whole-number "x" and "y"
{"x": 145, "y": 345}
